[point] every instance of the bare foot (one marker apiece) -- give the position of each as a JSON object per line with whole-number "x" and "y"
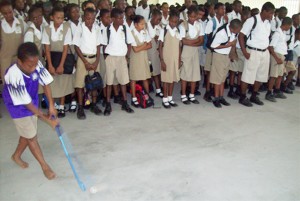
{"x": 19, "y": 162}
{"x": 49, "y": 174}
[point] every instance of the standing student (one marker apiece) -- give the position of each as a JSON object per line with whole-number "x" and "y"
{"x": 57, "y": 37}
{"x": 129, "y": 16}
{"x": 183, "y": 14}
{"x": 170, "y": 58}
{"x": 202, "y": 49}
{"x": 223, "y": 41}
{"x": 276, "y": 21}
{"x": 20, "y": 96}
{"x": 144, "y": 10}
{"x": 236, "y": 11}
{"x": 192, "y": 34}
{"x": 165, "y": 14}
{"x": 19, "y": 10}
{"x": 211, "y": 28}
{"x": 11, "y": 36}
{"x": 278, "y": 48}
{"x": 87, "y": 46}
{"x": 153, "y": 27}
{"x": 256, "y": 66}
{"x": 117, "y": 40}
{"x": 139, "y": 62}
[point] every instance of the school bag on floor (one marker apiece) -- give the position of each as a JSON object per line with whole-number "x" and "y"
{"x": 143, "y": 99}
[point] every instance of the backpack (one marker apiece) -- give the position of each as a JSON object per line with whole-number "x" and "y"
{"x": 218, "y": 30}
{"x": 291, "y": 36}
{"x": 143, "y": 99}
{"x": 253, "y": 27}
{"x": 108, "y": 33}
{"x": 209, "y": 38}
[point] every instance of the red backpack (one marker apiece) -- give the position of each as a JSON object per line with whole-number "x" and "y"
{"x": 143, "y": 99}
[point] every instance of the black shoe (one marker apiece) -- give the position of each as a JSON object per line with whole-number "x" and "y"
{"x": 185, "y": 101}
{"x": 194, "y": 100}
{"x": 73, "y": 108}
{"x": 224, "y": 102}
{"x": 166, "y": 105}
{"x": 95, "y": 109}
{"x": 298, "y": 83}
{"x": 286, "y": 90}
{"x": 61, "y": 113}
{"x": 270, "y": 97}
{"x": 245, "y": 102}
{"x": 207, "y": 97}
{"x": 263, "y": 88}
{"x": 232, "y": 95}
{"x": 107, "y": 109}
{"x": 172, "y": 103}
{"x": 217, "y": 103}
{"x": 197, "y": 93}
{"x": 159, "y": 94}
{"x": 80, "y": 113}
{"x": 256, "y": 100}
{"x": 135, "y": 103}
{"x": 279, "y": 95}
{"x": 127, "y": 108}
{"x": 103, "y": 103}
{"x": 118, "y": 99}
{"x": 291, "y": 86}
{"x": 237, "y": 91}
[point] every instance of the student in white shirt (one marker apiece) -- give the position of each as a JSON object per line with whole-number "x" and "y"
{"x": 165, "y": 14}
{"x": 183, "y": 15}
{"x": 129, "y": 16}
{"x": 203, "y": 19}
{"x": 19, "y": 9}
{"x": 117, "y": 40}
{"x": 192, "y": 34}
{"x": 236, "y": 12}
{"x": 256, "y": 66}
{"x": 278, "y": 48}
{"x": 87, "y": 46}
{"x": 276, "y": 21}
{"x": 224, "y": 39}
{"x": 144, "y": 10}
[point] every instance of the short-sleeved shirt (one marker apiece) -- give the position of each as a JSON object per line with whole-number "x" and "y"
{"x": 222, "y": 37}
{"x": 102, "y": 28}
{"x": 164, "y": 21}
{"x": 173, "y": 32}
{"x": 260, "y": 35}
{"x": 74, "y": 27}
{"x": 117, "y": 45}
{"x": 143, "y": 36}
{"x": 195, "y": 30}
{"x": 278, "y": 42}
{"x": 87, "y": 40}
{"x": 153, "y": 31}
{"x": 183, "y": 15}
{"x": 143, "y": 12}
{"x": 16, "y": 26}
{"x": 131, "y": 27}
{"x": 21, "y": 89}
{"x": 296, "y": 52}
{"x": 275, "y": 23}
{"x": 210, "y": 25}
{"x": 233, "y": 15}
{"x": 290, "y": 36}
{"x": 29, "y": 35}
{"x": 57, "y": 35}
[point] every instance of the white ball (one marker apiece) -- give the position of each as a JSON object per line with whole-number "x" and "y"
{"x": 93, "y": 190}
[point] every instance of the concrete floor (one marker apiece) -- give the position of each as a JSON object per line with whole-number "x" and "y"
{"x": 189, "y": 153}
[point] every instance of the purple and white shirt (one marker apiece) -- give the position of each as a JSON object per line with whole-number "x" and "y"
{"x": 21, "y": 89}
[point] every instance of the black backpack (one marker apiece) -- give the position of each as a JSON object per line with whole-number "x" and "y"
{"x": 209, "y": 42}
{"x": 108, "y": 34}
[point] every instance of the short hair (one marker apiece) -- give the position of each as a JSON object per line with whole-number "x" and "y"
{"x": 5, "y": 3}
{"x": 287, "y": 21}
{"x": 164, "y": 3}
{"x": 235, "y": 24}
{"x": 192, "y": 9}
{"x": 32, "y": 10}
{"x": 282, "y": 8}
{"x": 116, "y": 12}
{"x": 57, "y": 10}
{"x": 156, "y": 12}
{"x": 173, "y": 13}
{"x": 127, "y": 8}
{"x": 89, "y": 10}
{"x": 246, "y": 12}
{"x": 218, "y": 5}
{"x": 137, "y": 19}
{"x": 254, "y": 11}
{"x": 295, "y": 16}
{"x": 26, "y": 50}
{"x": 103, "y": 12}
{"x": 268, "y": 6}
{"x": 236, "y": 2}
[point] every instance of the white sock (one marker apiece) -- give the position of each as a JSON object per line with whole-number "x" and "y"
{"x": 158, "y": 90}
{"x": 73, "y": 103}
{"x": 165, "y": 100}
{"x": 183, "y": 96}
{"x": 61, "y": 107}
{"x": 134, "y": 99}
{"x": 191, "y": 95}
{"x": 170, "y": 98}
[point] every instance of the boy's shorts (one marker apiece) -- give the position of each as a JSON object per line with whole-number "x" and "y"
{"x": 116, "y": 70}
{"x": 208, "y": 60}
{"x": 219, "y": 68}
{"x": 289, "y": 66}
{"x": 276, "y": 69}
{"x": 238, "y": 65}
{"x": 26, "y": 126}
{"x": 81, "y": 72}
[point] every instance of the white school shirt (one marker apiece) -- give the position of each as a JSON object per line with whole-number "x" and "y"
{"x": 204, "y": 24}
{"x": 164, "y": 21}
{"x": 233, "y": 15}
{"x": 87, "y": 40}
{"x": 296, "y": 52}
{"x": 278, "y": 42}
{"x": 195, "y": 30}
{"x": 288, "y": 36}
{"x": 174, "y": 33}
{"x": 16, "y": 26}
{"x": 56, "y": 35}
{"x": 131, "y": 27}
{"x": 222, "y": 37}
{"x": 29, "y": 36}
{"x": 143, "y": 36}
{"x": 143, "y": 12}
{"x": 74, "y": 27}
{"x": 182, "y": 16}
{"x": 275, "y": 21}
{"x": 260, "y": 35}
{"x": 153, "y": 31}
{"x": 117, "y": 45}
{"x": 210, "y": 25}
{"x": 102, "y": 28}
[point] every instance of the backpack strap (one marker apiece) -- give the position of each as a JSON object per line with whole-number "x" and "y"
{"x": 224, "y": 26}
{"x": 125, "y": 32}
{"x": 253, "y": 27}
{"x": 108, "y": 33}
{"x": 291, "y": 36}
{"x": 214, "y": 24}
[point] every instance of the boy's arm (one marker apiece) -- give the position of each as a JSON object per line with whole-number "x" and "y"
{"x": 95, "y": 64}
{"x": 272, "y": 52}
{"x": 52, "y": 110}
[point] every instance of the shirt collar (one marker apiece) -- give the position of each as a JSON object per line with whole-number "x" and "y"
{"x": 138, "y": 33}
{"x": 60, "y": 28}
{"x": 174, "y": 29}
{"x": 15, "y": 22}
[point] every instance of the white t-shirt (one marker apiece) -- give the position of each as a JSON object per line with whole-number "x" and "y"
{"x": 195, "y": 30}
{"x": 233, "y": 15}
{"x": 278, "y": 42}
{"x": 222, "y": 37}
{"x": 174, "y": 33}
{"x": 57, "y": 35}
{"x": 210, "y": 25}
{"x": 143, "y": 12}
{"x": 143, "y": 36}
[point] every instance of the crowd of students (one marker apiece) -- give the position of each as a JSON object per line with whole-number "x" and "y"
{"x": 158, "y": 46}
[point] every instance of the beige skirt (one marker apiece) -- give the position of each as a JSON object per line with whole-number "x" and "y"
{"x": 139, "y": 66}
{"x": 62, "y": 85}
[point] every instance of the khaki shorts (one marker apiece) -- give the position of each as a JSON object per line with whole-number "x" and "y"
{"x": 208, "y": 60}
{"x": 26, "y": 126}
{"x": 103, "y": 69}
{"x": 116, "y": 70}
{"x": 289, "y": 66}
{"x": 238, "y": 65}
{"x": 276, "y": 70}
{"x": 219, "y": 68}
{"x": 81, "y": 72}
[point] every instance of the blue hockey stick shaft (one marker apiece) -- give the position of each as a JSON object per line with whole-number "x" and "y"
{"x": 80, "y": 183}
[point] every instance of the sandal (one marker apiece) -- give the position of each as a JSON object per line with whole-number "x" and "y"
{"x": 61, "y": 113}
{"x": 73, "y": 107}
{"x": 135, "y": 103}
{"x": 159, "y": 94}
{"x": 172, "y": 103}
{"x": 193, "y": 100}
{"x": 166, "y": 105}
{"x": 185, "y": 100}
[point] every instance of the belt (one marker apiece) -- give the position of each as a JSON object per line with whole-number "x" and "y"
{"x": 257, "y": 49}
{"x": 89, "y": 56}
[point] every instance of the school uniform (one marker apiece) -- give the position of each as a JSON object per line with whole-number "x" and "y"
{"x": 233, "y": 15}
{"x": 238, "y": 64}
{"x": 153, "y": 54}
{"x": 202, "y": 49}
{"x": 164, "y": 21}
{"x": 131, "y": 26}
{"x": 20, "y": 15}
{"x": 296, "y": 53}
{"x": 143, "y": 12}
{"x": 21, "y": 89}
{"x": 171, "y": 43}
{"x": 116, "y": 50}
{"x": 220, "y": 58}
{"x": 57, "y": 39}
{"x": 87, "y": 41}
{"x": 290, "y": 38}
{"x": 208, "y": 30}
{"x": 280, "y": 49}
{"x": 102, "y": 60}
{"x": 139, "y": 62}
{"x": 190, "y": 70}
{"x": 256, "y": 68}
{"x": 11, "y": 38}
{"x": 275, "y": 23}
